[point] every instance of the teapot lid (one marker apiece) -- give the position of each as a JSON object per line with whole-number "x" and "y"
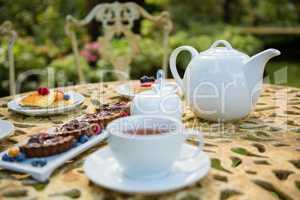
{"x": 226, "y": 51}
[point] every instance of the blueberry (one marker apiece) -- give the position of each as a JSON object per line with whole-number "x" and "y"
{"x": 66, "y": 97}
{"x": 42, "y": 162}
{"x": 39, "y": 162}
{"x": 144, "y": 79}
{"x": 83, "y": 139}
{"x": 147, "y": 79}
{"x": 35, "y": 163}
{"x": 7, "y": 158}
{"x": 21, "y": 157}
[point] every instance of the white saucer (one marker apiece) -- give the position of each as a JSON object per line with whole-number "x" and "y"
{"x": 6, "y": 128}
{"x": 104, "y": 170}
{"x": 126, "y": 90}
{"x": 74, "y": 96}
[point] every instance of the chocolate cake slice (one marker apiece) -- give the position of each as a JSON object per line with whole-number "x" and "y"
{"x": 115, "y": 108}
{"x": 44, "y": 144}
{"x": 74, "y": 128}
{"x": 107, "y": 113}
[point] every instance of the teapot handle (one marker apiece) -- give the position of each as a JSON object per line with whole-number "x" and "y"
{"x": 173, "y": 58}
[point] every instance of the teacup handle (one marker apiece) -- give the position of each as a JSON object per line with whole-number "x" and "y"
{"x": 199, "y": 136}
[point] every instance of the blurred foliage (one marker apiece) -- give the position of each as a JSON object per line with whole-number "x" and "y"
{"x": 235, "y": 12}
{"x": 43, "y": 20}
{"x": 42, "y": 43}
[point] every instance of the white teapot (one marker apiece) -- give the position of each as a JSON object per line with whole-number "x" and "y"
{"x": 221, "y": 83}
{"x": 162, "y": 100}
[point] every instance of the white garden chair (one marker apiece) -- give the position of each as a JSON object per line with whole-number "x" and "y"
{"x": 118, "y": 19}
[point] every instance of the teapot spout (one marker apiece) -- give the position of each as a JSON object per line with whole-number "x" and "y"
{"x": 254, "y": 67}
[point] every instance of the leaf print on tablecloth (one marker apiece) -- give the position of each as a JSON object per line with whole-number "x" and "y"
{"x": 245, "y": 152}
{"x": 252, "y": 137}
{"x": 228, "y": 193}
{"x": 216, "y": 164}
{"x": 252, "y": 126}
{"x": 95, "y": 102}
{"x": 18, "y": 132}
{"x": 271, "y": 188}
{"x": 38, "y": 186}
{"x": 73, "y": 194}
{"x": 22, "y": 125}
{"x": 15, "y": 193}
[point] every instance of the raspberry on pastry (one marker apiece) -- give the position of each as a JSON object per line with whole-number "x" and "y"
{"x": 43, "y": 91}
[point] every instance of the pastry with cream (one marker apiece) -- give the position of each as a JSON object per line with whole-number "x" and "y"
{"x": 44, "y": 98}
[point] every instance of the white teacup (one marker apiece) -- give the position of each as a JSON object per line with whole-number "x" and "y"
{"x": 158, "y": 102}
{"x": 147, "y": 156}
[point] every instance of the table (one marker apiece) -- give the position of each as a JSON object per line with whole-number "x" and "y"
{"x": 257, "y": 157}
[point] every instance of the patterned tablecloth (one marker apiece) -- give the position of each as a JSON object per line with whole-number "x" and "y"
{"x": 254, "y": 158}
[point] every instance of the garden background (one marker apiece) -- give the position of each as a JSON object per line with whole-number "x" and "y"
{"x": 42, "y": 42}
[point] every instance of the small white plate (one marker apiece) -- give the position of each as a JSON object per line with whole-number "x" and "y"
{"x": 104, "y": 170}
{"x": 6, "y": 128}
{"x": 43, "y": 173}
{"x": 16, "y": 107}
{"x": 126, "y": 89}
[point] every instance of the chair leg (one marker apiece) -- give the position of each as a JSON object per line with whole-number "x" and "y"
{"x": 11, "y": 63}
{"x": 76, "y": 58}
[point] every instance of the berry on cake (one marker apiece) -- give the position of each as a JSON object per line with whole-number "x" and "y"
{"x": 145, "y": 83}
{"x": 44, "y": 98}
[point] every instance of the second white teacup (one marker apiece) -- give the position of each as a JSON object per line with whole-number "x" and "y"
{"x": 147, "y": 146}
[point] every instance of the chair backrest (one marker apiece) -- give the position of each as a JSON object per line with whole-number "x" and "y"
{"x": 6, "y": 30}
{"x": 118, "y": 19}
